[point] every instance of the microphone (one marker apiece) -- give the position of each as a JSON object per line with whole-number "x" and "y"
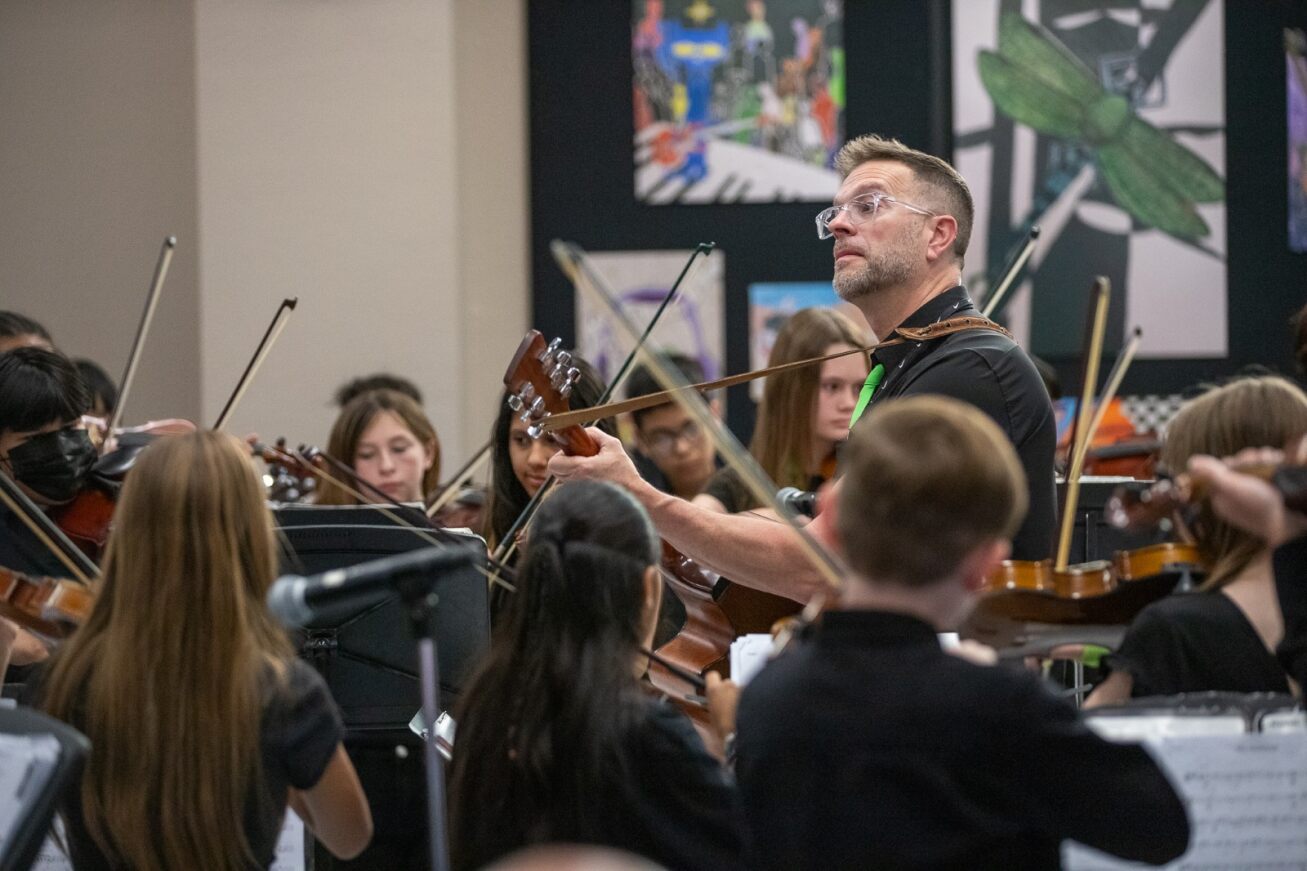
{"x": 295, "y": 600}
{"x": 798, "y": 501}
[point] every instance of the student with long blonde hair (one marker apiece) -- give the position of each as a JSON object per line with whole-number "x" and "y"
{"x": 804, "y": 412}
{"x": 1223, "y": 636}
{"x": 203, "y": 724}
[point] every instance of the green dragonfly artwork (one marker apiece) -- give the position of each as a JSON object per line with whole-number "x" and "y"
{"x": 1037, "y": 81}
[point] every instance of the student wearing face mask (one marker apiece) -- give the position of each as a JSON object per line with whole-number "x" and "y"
{"x": 44, "y": 447}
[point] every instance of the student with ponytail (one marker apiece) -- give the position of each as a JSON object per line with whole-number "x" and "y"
{"x": 556, "y": 740}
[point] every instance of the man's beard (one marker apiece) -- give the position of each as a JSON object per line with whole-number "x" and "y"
{"x": 890, "y": 266}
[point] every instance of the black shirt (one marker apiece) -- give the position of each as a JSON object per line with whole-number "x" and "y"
{"x": 662, "y": 796}
{"x": 300, "y": 731}
{"x": 990, "y": 371}
{"x": 865, "y": 745}
{"x": 1290, "y": 563}
{"x": 1196, "y": 642}
{"x": 21, "y": 551}
{"x": 678, "y": 806}
{"x": 728, "y": 488}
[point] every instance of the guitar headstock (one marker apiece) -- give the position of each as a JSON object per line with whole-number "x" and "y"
{"x": 539, "y": 381}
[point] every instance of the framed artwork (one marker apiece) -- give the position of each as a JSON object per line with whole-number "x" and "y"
{"x": 693, "y": 324}
{"x": 1104, "y": 124}
{"x": 737, "y": 101}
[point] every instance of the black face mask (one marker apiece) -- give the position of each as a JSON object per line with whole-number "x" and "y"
{"x": 54, "y": 464}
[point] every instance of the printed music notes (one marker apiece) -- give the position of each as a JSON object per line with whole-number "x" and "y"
{"x": 1246, "y": 796}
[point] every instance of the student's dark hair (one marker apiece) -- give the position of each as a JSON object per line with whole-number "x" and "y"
{"x": 98, "y": 382}
{"x": 13, "y": 324}
{"x": 1299, "y": 324}
{"x": 542, "y": 723}
{"x": 641, "y": 382}
{"x": 507, "y": 495}
{"x": 38, "y": 388}
{"x": 379, "y": 381}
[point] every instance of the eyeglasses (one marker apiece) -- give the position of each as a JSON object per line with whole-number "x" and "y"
{"x": 662, "y": 442}
{"x": 860, "y": 211}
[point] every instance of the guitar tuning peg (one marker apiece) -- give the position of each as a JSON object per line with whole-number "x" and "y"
{"x": 515, "y": 402}
{"x": 573, "y": 375}
{"x": 551, "y": 350}
{"x": 537, "y": 408}
{"x": 564, "y": 358}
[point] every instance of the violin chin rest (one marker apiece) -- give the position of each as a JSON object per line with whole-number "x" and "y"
{"x": 116, "y": 464}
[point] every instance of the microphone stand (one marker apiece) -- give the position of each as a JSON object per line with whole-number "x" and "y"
{"x": 416, "y": 590}
{"x": 421, "y": 602}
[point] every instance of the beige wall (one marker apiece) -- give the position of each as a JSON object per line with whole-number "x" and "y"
{"x": 97, "y": 165}
{"x": 341, "y": 152}
{"x": 334, "y": 166}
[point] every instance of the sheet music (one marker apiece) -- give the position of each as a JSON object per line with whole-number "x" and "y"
{"x": 1152, "y": 727}
{"x": 1247, "y": 802}
{"x": 1279, "y": 722}
{"x": 291, "y": 845}
{"x": 26, "y": 763}
{"x": 749, "y": 653}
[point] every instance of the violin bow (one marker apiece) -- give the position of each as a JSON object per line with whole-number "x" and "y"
{"x": 936, "y": 330}
{"x": 460, "y": 477}
{"x": 147, "y": 316}
{"x": 574, "y": 263}
{"x": 995, "y": 300}
{"x": 504, "y": 549}
{"x": 1099, "y": 298}
{"x": 389, "y": 508}
{"x": 81, "y": 565}
{"x": 279, "y": 321}
{"x": 1114, "y": 378}
{"x": 684, "y": 674}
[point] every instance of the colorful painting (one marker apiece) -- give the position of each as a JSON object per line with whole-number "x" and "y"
{"x": 772, "y": 303}
{"x": 639, "y": 281}
{"x": 1103, "y": 124}
{"x": 1295, "y": 57}
{"x": 737, "y": 101}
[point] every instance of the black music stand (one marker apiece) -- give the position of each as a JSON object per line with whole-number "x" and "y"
{"x": 374, "y": 671}
{"x": 49, "y": 777}
{"x": 367, "y": 657}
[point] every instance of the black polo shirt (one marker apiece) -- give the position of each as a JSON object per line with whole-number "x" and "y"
{"x": 865, "y": 745}
{"x": 993, "y": 373}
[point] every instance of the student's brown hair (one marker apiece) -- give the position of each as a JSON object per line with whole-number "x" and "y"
{"x": 353, "y": 421}
{"x": 927, "y": 480}
{"x": 165, "y": 677}
{"x": 1248, "y": 413}
{"x": 782, "y": 438}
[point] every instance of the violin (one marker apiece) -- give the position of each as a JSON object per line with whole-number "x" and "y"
{"x": 1135, "y": 507}
{"x": 48, "y": 606}
{"x": 1097, "y": 593}
{"x": 290, "y": 479}
{"x": 87, "y": 518}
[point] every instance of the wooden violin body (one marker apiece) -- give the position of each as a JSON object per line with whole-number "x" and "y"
{"x": 1024, "y": 599}
{"x": 48, "y": 606}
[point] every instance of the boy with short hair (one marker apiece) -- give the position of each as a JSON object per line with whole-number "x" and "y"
{"x": 865, "y": 745}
